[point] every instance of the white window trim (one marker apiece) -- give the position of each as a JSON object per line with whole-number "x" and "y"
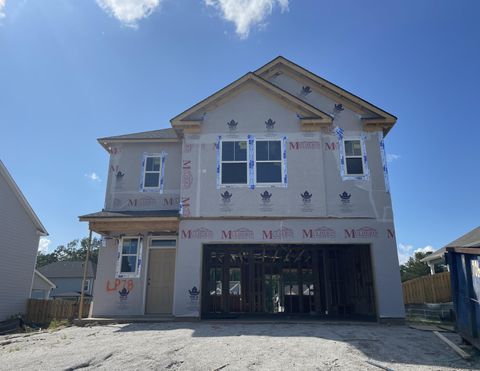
{"x": 268, "y": 185}
{"x": 121, "y": 274}
{"x": 228, "y": 185}
{"x": 145, "y": 171}
{"x": 360, "y": 139}
{"x": 167, "y": 238}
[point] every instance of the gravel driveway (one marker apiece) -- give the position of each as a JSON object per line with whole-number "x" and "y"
{"x": 230, "y": 346}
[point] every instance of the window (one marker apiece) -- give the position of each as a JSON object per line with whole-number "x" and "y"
{"x": 129, "y": 255}
{"x": 234, "y": 162}
{"x": 163, "y": 243}
{"x": 86, "y": 287}
{"x": 268, "y": 161}
{"x": 353, "y": 157}
{"x": 152, "y": 172}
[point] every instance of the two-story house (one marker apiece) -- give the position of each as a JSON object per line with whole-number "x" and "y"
{"x": 20, "y": 232}
{"x": 268, "y": 198}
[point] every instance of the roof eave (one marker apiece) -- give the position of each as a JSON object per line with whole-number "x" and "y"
{"x": 23, "y": 201}
{"x": 179, "y": 121}
{"x": 327, "y": 84}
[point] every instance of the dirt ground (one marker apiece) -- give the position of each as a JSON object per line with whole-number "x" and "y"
{"x": 231, "y": 346}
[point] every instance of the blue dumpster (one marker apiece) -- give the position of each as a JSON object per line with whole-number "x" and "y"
{"x": 465, "y": 279}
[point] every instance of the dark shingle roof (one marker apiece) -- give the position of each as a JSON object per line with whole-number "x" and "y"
{"x": 131, "y": 214}
{"x": 67, "y": 269}
{"x": 470, "y": 239}
{"x": 153, "y": 134}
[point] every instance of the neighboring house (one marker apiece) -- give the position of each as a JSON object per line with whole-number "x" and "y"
{"x": 284, "y": 209}
{"x": 67, "y": 277}
{"x": 20, "y": 231}
{"x": 41, "y": 287}
{"x": 436, "y": 260}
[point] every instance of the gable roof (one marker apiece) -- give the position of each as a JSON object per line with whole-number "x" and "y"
{"x": 67, "y": 269}
{"x": 45, "y": 279}
{"x": 350, "y": 100}
{"x": 22, "y": 200}
{"x": 313, "y": 112}
{"x": 468, "y": 240}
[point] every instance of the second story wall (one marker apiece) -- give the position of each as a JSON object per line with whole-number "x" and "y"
{"x": 314, "y": 186}
{"x": 125, "y": 190}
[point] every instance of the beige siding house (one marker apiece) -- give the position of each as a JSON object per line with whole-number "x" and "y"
{"x": 20, "y": 231}
{"x": 270, "y": 198}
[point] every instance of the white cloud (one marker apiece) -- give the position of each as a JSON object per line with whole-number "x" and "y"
{"x": 44, "y": 243}
{"x": 246, "y": 13}
{"x": 425, "y": 249}
{"x": 129, "y": 12}
{"x": 2, "y": 6}
{"x": 93, "y": 176}
{"x": 392, "y": 157}
{"x": 405, "y": 251}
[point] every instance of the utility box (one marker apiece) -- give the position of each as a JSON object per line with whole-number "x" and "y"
{"x": 464, "y": 266}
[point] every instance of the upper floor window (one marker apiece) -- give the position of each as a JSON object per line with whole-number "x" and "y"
{"x": 130, "y": 248}
{"x": 353, "y": 157}
{"x": 151, "y": 177}
{"x": 268, "y": 161}
{"x": 234, "y": 169}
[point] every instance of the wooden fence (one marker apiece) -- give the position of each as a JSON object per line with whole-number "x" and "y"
{"x": 428, "y": 289}
{"x": 44, "y": 311}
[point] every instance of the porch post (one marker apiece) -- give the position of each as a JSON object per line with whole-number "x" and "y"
{"x": 85, "y": 267}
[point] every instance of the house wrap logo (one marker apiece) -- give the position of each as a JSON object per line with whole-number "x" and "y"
{"x": 345, "y": 198}
{"x": 270, "y": 124}
{"x": 365, "y": 232}
{"x": 237, "y": 234}
{"x": 306, "y": 197}
{"x": 232, "y": 125}
{"x": 283, "y": 233}
{"x": 226, "y": 197}
{"x": 265, "y": 196}
{"x": 194, "y": 293}
{"x": 305, "y": 145}
{"x": 266, "y": 204}
{"x": 196, "y": 234}
{"x": 319, "y": 233}
{"x": 306, "y": 202}
{"x": 123, "y": 294}
{"x": 187, "y": 177}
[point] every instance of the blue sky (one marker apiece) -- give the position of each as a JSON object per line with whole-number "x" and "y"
{"x": 72, "y": 71}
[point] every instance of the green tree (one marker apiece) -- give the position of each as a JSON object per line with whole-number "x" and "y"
{"x": 74, "y": 251}
{"x": 414, "y": 268}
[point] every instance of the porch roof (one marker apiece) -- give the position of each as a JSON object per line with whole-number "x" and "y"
{"x": 114, "y": 222}
{"x": 104, "y": 214}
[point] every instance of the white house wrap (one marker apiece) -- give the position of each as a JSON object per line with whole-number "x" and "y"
{"x": 255, "y": 213}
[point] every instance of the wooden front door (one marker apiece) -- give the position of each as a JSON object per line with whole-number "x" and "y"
{"x": 161, "y": 276}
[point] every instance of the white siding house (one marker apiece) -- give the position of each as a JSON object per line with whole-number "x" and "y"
{"x": 20, "y": 231}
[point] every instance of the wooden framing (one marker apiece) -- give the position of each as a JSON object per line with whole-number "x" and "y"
{"x": 287, "y": 279}
{"x": 107, "y": 226}
{"x": 374, "y": 118}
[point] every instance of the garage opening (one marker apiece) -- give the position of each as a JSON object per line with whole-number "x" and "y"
{"x": 331, "y": 281}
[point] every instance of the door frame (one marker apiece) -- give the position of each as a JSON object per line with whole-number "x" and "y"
{"x": 147, "y": 261}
